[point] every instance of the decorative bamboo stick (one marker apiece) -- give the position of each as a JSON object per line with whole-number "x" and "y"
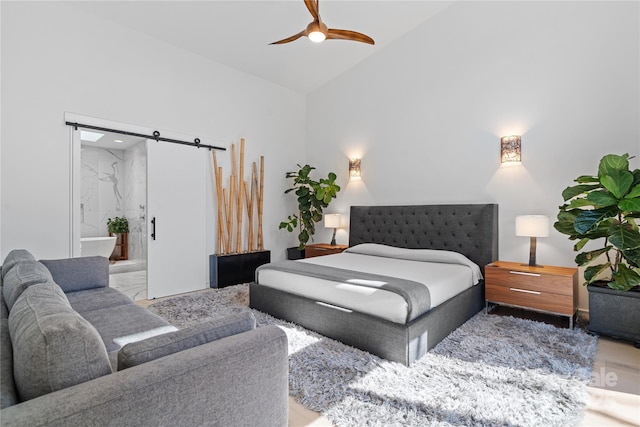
{"x": 232, "y": 196}
{"x": 240, "y": 199}
{"x": 248, "y": 197}
{"x": 260, "y": 205}
{"x": 218, "y": 189}
{"x": 221, "y": 233}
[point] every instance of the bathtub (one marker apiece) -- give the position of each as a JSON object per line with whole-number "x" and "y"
{"x": 97, "y": 246}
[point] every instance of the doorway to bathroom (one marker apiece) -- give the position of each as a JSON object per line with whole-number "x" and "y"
{"x": 159, "y": 185}
{"x": 113, "y": 200}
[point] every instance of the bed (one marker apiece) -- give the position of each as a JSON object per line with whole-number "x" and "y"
{"x": 467, "y": 229}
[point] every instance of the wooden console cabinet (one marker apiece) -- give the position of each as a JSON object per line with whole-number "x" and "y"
{"x": 547, "y": 289}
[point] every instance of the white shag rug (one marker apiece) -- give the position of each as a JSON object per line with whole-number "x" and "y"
{"x": 492, "y": 371}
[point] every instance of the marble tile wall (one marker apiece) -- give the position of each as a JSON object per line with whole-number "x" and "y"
{"x": 101, "y": 189}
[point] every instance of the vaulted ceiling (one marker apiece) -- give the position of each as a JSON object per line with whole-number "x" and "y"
{"x": 237, "y": 33}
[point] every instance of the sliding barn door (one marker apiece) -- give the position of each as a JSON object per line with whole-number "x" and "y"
{"x": 177, "y": 259}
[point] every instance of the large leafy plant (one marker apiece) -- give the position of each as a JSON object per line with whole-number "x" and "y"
{"x": 312, "y": 196}
{"x": 605, "y": 207}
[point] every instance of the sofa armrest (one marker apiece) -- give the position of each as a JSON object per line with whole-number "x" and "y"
{"x": 238, "y": 380}
{"x": 78, "y": 274}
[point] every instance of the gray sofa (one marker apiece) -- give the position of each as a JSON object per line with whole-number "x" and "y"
{"x": 75, "y": 352}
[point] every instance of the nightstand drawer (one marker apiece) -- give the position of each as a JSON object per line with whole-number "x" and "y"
{"x": 527, "y": 297}
{"x": 321, "y": 249}
{"x": 539, "y": 282}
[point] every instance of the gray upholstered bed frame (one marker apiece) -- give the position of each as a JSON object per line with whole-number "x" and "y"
{"x": 471, "y": 229}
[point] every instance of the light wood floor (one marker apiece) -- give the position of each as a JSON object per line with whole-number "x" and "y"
{"x": 614, "y": 395}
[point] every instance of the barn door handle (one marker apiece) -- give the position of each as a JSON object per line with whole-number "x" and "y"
{"x": 153, "y": 228}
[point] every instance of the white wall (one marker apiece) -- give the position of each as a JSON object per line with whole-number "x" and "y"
{"x": 426, "y": 113}
{"x": 57, "y": 59}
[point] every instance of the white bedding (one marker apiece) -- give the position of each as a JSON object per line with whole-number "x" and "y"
{"x": 444, "y": 273}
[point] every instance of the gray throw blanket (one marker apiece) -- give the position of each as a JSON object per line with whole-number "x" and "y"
{"x": 415, "y": 294}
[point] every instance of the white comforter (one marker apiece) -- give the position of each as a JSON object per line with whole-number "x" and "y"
{"x": 444, "y": 273}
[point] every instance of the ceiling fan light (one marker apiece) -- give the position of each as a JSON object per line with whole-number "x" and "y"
{"x": 317, "y": 36}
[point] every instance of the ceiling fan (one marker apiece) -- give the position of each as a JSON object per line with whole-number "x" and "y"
{"x": 317, "y": 31}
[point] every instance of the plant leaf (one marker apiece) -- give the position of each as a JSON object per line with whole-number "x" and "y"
{"x": 571, "y": 192}
{"x": 585, "y": 258}
{"x": 591, "y": 273}
{"x": 613, "y": 162}
{"x": 581, "y": 202}
{"x": 587, "y": 221}
{"x": 617, "y": 182}
{"x": 632, "y": 256}
{"x": 602, "y": 198}
{"x": 578, "y": 246}
{"x": 624, "y": 236}
{"x": 634, "y": 191}
{"x": 624, "y": 279}
{"x": 583, "y": 179}
{"x": 630, "y": 205}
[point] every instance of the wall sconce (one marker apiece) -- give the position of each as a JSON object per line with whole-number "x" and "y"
{"x": 354, "y": 169}
{"x": 332, "y": 221}
{"x": 510, "y": 149}
{"x": 532, "y": 226}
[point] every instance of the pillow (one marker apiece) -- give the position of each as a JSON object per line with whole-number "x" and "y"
{"x": 78, "y": 274}
{"x": 163, "y": 345}
{"x": 20, "y": 277}
{"x": 14, "y": 257}
{"x": 53, "y": 346}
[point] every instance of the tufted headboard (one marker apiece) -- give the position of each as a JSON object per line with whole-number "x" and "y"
{"x": 470, "y": 229}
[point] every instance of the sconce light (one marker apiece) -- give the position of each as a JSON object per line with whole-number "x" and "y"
{"x": 532, "y": 226}
{"x": 354, "y": 169}
{"x": 332, "y": 221}
{"x": 510, "y": 149}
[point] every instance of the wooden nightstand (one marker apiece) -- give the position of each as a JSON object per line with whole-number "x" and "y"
{"x": 320, "y": 249}
{"x": 546, "y": 288}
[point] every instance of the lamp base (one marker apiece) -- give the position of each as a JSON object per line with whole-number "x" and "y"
{"x": 333, "y": 238}
{"x": 535, "y": 265}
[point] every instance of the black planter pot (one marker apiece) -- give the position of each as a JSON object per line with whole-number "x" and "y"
{"x": 614, "y": 313}
{"x": 233, "y": 269}
{"x": 295, "y": 253}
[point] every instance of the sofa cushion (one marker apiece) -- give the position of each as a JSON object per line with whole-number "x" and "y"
{"x": 20, "y": 277}
{"x": 77, "y": 274}
{"x": 53, "y": 346}
{"x": 96, "y": 299}
{"x": 163, "y": 345}
{"x": 126, "y": 323}
{"x": 14, "y": 257}
{"x": 8, "y": 393}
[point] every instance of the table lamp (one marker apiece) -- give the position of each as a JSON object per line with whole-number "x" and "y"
{"x": 532, "y": 226}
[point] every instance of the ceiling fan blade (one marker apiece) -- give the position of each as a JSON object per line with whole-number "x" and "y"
{"x": 290, "y": 39}
{"x": 313, "y": 7}
{"x": 336, "y": 34}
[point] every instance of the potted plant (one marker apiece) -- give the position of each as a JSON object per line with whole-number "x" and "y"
{"x": 606, "y": 207}
{"x": 119, "y": 226}
{"x": 312, "y": 196}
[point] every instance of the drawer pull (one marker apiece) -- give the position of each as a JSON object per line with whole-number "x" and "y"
{"x": 525, "y": 274}
{"x": 524, "y": 291}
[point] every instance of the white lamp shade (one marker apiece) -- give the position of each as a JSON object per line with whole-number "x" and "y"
{"x": 332, "y": 220}
{"x": 532, "y": 225}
